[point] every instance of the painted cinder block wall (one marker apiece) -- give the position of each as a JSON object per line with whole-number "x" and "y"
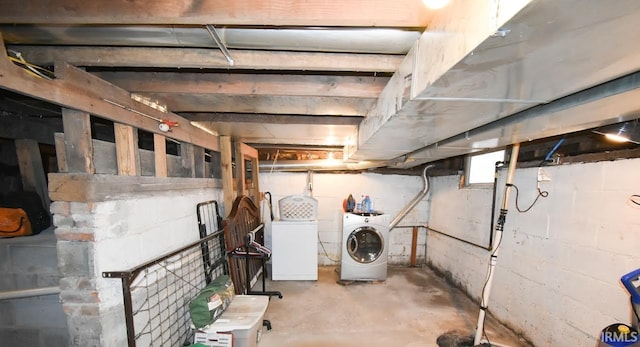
{"x": 116, "y": 235}
{"x": 389, "y": 193}
{"x": 558, "y": 274}
{"x": 29, "y": 263}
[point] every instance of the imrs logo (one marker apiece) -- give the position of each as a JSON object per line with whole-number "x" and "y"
{"x": 619, "y": 335}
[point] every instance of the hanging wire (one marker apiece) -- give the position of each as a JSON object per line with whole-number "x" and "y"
{"x": 32, "y": 69}
{"x": 541, "y": 193}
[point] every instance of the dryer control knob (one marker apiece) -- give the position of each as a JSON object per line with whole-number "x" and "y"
{"x": 366, "y": 220}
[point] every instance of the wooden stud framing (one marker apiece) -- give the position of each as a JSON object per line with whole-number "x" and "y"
{"x": 61, "y": 156}
{"x": 198, "y": 162}
{"x": 160, "y": 155}
{"x": 76, "y": 89}
{"x": 78, "y": 147}
{"x": 31, "y": 169}
{"x": 127, "y": 155}
{"x": 227, "y": 172}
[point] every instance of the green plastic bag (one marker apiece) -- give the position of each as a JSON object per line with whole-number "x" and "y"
{"x": 211, "y": 302}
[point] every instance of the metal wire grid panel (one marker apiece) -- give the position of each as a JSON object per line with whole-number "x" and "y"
{"x": 209, "y": 219}
{"x": 157, "y": 293}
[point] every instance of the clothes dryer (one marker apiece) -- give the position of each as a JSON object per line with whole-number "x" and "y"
{"x": 365, "y": 246}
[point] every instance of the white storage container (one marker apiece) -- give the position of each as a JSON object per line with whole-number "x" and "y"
{"x": 242, "y": 319}
{"x": 298, "y": 208}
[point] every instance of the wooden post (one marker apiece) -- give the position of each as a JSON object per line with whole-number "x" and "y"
{"x": 160, "y": 155}
{"x": 240, "y": 176}
{"x": 187, "y": 159}
{"x": 61, "y": 156}
{"x": 247, "y": 185}
{"x": 227, "y": 173}
{"x": 78, "y": 146}
{"x": 127, "y": 156}
{"x": 198, "y": 162}
{"x": 31, "y": 170}
{"x": 414, "y": 246}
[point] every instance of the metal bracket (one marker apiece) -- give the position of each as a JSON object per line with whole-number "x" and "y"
{"x": 214, "y": 34}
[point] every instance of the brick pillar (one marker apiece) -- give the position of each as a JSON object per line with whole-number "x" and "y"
{"x": 89, "y": 320}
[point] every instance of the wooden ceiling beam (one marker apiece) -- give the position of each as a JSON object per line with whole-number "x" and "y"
{"x": 247, "y": 84}
{"x": 348, "y": 13}
{"x": 202, "y": 58}
{"x": 310, "y": 105}
{"x": 76, "y": 89}
{"x": 271, "y": 118}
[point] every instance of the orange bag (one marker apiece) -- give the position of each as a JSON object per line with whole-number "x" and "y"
{"x": 14, "y": 222}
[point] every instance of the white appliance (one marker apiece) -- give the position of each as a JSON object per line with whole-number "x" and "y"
{"x": 294, "y": 240}
{"x": 365, "y": 246}
{"x": 294, "y": 250}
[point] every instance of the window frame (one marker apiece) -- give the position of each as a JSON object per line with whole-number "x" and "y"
{"x": 467, "y": 169}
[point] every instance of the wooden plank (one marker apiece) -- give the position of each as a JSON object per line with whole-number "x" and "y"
{"x": 314, "y": 105}
{"x": 96, "y": 188}
{"x": 127, "y": 155}
{"x": 239, "y": 168}
{"x": 187, "y": 159}
{"x": 61, "y": 156}
{"x": 414, "y": 246}
{"x": 204, "y": 58}
{"x": 78, "y": 147}
{"x": 198, "y": 162}
{"x": 247, "y": 185}
{"x": 271, "y": 118}
{"x": 76, "y": 89}
{"x": 227, "y": 173}
{"x": 32, "y": 170}
{"x": 252, "y": 84}
{"x": 248, "y": 151}
{"x": 348, "y": 13}
{"x": 160, "y": 155}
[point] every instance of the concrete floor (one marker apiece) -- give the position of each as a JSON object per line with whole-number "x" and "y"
{"x": 410, "y": 309}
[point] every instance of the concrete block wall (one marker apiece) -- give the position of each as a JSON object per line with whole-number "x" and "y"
{"x": 116, "y": 235}
{"x": 29, "y": 263}
{"x": 389, "y": 193}
{"x": 558, "y": 275}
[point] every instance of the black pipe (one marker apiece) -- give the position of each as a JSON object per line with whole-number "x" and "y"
{"x": 444, "y": 234}
{"x": 459, "y": 239}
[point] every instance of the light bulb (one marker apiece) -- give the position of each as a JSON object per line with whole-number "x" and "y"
{"x": 616, "y": 137}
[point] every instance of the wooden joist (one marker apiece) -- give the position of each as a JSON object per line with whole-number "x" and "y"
{"x": 95, "y": 188}
{"x": 82, "y": 91}
{"x": 351, "y": 13}
{"x": 205, "y": 58}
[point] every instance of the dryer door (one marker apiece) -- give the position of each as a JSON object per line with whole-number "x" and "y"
{"x": 365, "y": 244}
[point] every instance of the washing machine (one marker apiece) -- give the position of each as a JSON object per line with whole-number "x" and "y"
{"x": 365, "y": 246}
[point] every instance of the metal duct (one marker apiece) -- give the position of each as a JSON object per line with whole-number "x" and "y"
{"x": 415, "y": 200}
{"x": 316, "y": 165}
{"x": 353, "y": 40}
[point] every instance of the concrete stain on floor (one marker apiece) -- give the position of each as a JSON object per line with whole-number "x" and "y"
{"x": 410, "y": 309}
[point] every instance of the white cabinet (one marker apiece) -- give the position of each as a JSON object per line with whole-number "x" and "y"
{"x": 294, "y": 247}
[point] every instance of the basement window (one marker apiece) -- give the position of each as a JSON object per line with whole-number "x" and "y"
{"x": 480, "y": 168}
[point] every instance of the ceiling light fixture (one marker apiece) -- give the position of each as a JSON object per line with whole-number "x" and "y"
{"x": 435, "y": 4}
{"x": 625, "y": 132}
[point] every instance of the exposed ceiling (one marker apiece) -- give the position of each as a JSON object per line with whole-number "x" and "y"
{"x": 388, "y": 83}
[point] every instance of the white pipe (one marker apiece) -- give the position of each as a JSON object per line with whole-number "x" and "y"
{"x": 415, "y": 200}
{"x": 27, "y": 293}
{"x": 496, "y": 245}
